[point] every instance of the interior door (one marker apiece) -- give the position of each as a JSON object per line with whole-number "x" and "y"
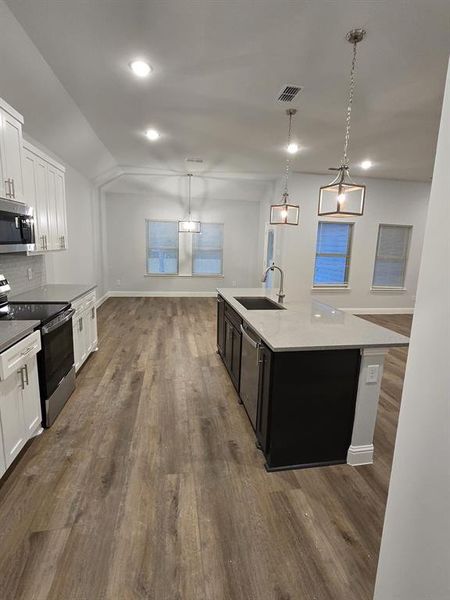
{"x": 11, "y": 415}
{"x": 12, "y": 154}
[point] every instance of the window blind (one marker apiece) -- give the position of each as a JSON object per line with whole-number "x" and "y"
{"x": 391, "y": 256}
{"x": 162, "y": 247}
{"x": 332, "y": 254}
{"x": 207, "y": 250}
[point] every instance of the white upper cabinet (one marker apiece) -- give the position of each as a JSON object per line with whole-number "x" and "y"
{"x": 11, "y": 163}
{"x": 44, "y": 183}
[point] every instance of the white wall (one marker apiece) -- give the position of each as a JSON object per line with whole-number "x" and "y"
{"x": 415, "y": 549}
{"x": 398, "y": 202}
{"x": 125, "y": 263}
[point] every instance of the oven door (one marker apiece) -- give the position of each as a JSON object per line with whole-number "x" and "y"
{"x": 56, "y": 358}
{"x": 16, "y": 227}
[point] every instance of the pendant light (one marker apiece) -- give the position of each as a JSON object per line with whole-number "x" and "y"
{"x": 188, "y": 225}
{"x": 342, "y": 197}
{"x": 285, "y": 213}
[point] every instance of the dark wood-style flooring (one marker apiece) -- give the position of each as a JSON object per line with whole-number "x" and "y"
{"x": 149, "y": 484}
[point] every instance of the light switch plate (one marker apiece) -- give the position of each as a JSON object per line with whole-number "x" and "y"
{"x": 372, "y": 373}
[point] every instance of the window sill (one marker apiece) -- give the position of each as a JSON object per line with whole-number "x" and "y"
{"x": 388, "y": 289}
{"x": 176, "y": 275}
{"x": 331, "y": 288}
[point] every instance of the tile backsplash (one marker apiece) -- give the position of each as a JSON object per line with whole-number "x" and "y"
{"x": 15, "y": 268}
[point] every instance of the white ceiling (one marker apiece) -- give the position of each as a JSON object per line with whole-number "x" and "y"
{"x": 219, "y": 66}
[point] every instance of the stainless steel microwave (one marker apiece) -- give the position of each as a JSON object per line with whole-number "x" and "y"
{"x": 16, "y": 227}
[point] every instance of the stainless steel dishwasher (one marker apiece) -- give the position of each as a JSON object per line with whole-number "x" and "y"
{"x": 250, "y": 372}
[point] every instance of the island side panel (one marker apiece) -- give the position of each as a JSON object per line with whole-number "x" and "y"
{"x": 313, "y": 396}
{"x": 361, "y": 449}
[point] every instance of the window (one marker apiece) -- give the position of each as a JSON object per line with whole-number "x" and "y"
{"x": 391, "y": 256}
{"x": 333, "y": 254}
{"x": 162, "y": 247}
{"x": 207, "y": 250}
{"x": 184, "y": 254}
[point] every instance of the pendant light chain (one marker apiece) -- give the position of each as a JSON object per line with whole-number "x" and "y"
{"x": 189, "y": 176}
{"x": 344, "y": 163}
{"x": 288, "y": 160}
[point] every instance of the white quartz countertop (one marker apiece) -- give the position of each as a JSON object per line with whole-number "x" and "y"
{"x": 14, "y": 331}
{"x": 309, "y": 326}
{"x": 55, "y": 292}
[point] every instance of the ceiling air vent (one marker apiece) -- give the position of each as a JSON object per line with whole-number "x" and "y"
{"x": 289, "y": 93}
{"x": 194, "y": 160}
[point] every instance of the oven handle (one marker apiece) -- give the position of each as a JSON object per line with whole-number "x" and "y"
{"x": 60, "y": 321}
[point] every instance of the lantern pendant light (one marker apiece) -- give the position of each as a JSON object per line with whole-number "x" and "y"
{"x": 188, "y": 225}
{"x": 285, "y": 213}
{"x": 342, "y": 197}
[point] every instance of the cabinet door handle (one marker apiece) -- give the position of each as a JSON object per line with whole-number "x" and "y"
{"x": 27, "y": 381}
{"x": 46, "y": 245}
{"x": 93, "y": 312}
{"x": 80, "y": 324}
{"x": 7, "y": 188}
{"x": 42, "y": 242}
{"x": 22, "y": 381}
{"x": 13, "y": 193}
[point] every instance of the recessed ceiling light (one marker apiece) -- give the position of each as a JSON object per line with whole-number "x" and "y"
{"x": 140, "y": 68}
{"x": 292, "y": 148}
{"x": 366, "y": 164}
{"x": 152, "y": 134}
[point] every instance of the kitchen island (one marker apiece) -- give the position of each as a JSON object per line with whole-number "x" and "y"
{"x": 308, "y": 375}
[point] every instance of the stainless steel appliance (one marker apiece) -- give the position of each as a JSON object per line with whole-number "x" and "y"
{"x": 250, "y": 361}
{"x": 56, "y": 364}
{"x": 16, "y": 227}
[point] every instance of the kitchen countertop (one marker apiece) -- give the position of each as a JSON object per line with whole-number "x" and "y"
{"x": 54, "y": 292}
{"x": 309, "y": 326}
{"x": 14, "y": 331}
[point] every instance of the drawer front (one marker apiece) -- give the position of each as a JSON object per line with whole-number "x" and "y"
{"x": 232, "y": 315}
{"x": 84, "y": 302}
{"x": 16, "y": 356}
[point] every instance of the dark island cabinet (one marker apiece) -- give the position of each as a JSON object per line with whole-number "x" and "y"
{"x": 221, "y": 326}
{"x": 306, "y": 398}
{"x": 306, "y": 406}
{"x": 229, "y": 339}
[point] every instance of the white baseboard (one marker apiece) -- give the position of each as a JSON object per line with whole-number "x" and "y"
{"x": 102, "y": 299}
{"x": 379, "y": 311}
{"x": 145, "y": 294}
{"x": 360, "y": 455}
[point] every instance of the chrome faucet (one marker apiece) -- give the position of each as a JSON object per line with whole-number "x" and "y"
{"x": 281, "y": 293}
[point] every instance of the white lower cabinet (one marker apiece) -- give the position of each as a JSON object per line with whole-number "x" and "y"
{"x": 20, "y": 404}
{"x": 84, "y": 328}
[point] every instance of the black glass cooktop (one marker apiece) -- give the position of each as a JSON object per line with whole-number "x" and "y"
{"x": 16, "y": 311}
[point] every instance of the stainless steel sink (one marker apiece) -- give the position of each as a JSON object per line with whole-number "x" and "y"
{"x": 255, "y": 303}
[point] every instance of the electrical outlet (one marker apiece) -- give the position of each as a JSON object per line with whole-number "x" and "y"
{"x": 30, "y": 273}
{"x": 372, "y": 373}
{"x": 118, "y": 282}
{"x": 233, "y": 284}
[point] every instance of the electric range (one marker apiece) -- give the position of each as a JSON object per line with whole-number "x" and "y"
{"x": 56, "y": 364}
